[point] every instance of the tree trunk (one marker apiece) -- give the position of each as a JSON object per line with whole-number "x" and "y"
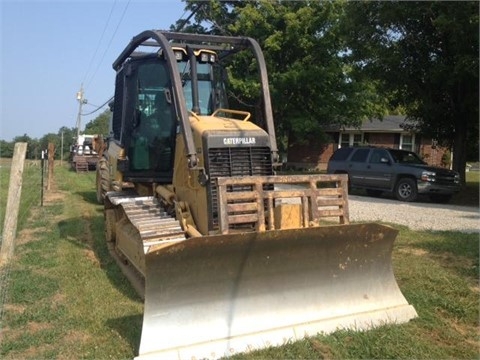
{"x": 460, "y": 146}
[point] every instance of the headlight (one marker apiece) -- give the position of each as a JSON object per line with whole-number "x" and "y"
{"x": 178, "y": 55}
{"x": 428, "y": 176}
{"x": 204, "y": 57}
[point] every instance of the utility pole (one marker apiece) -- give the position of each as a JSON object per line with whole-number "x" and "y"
{"x": 81, "y": 102}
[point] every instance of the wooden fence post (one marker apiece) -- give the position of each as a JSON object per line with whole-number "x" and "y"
{"x": 13, "y": 203}
{"x": 51, "y": 158}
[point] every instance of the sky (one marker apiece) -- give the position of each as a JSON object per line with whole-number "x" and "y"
{"x": 48, "y": 49}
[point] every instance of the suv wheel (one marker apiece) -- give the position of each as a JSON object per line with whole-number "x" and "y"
{"x": 406, "y": 190}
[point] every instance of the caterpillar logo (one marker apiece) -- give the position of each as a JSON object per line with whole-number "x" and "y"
{"x": 239, "y": 141}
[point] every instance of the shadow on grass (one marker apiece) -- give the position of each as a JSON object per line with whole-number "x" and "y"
{"x": 88, "y": 232}
{"x": 90, "y": 197}
{"x": 129, "y": 327}
{"x": 455, "y": 250}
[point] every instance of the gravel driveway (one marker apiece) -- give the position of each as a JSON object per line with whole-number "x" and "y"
{"x": 417, "y": 215}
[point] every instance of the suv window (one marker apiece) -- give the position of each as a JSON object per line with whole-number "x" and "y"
{"x": 360, "y": 155}
{"x": 406, "y": 157}
{"x": 341, "y": 154}
{"x": 377, "y": 156}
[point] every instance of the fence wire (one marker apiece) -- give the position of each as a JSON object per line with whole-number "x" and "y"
{"x": 30, "y": 200}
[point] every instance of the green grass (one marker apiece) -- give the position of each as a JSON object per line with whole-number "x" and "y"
{"x": 31, "y": 190}
{"x": 68, "y": 299}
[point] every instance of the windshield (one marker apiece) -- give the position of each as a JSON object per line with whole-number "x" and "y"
{"x": 206, "y": 87}
{"x": 406, "y": 157}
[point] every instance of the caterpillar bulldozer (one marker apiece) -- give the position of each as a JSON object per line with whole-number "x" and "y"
{"x": 228, "y": 255}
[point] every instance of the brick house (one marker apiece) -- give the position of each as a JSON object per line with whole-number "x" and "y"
{"x": 388, "y": 132}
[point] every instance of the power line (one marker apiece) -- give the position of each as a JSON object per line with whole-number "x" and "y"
{"x": 182, "y": 24}
{"x": 99, "y": 41}
{"x": 90, "y": 104}
{"x": 104, "y": 53}
{"x": 98, "y": 108}
{"x": 109, "y": 43}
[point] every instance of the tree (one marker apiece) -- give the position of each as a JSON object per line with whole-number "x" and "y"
{"x": 68, "y": 135}
{"x": 6, "y": 149}
{"x": 99, "y": 125}
{"x": 32, "y": 146}
{"x": 425, "y": 56}
{"x": 311, "y": 81}
{"x": 51, "y": 138}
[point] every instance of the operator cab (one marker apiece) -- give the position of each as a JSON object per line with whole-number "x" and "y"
{"x": 149, "y": 125}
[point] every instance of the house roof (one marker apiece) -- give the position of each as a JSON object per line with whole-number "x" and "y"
{"x": 388, "y": 123}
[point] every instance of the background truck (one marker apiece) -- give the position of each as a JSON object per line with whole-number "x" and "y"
{"x": 84, "y": 152}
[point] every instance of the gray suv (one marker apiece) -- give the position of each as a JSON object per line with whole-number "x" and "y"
{"x": 399, "y": 172}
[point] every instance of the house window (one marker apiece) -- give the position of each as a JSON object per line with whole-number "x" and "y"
{"x": 357, "y": 139}
{"x": 347, "y": 140}
{"x": 407, "y": 142}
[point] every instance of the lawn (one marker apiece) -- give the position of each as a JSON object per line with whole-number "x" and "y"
{"x": 66, "y": 298}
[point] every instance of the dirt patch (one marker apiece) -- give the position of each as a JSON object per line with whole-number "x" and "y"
{"x": 32, "y": 352}
{"x": 31, "y": 328}
{"x": 92, "y": 257}
{"x": 53, "y": 197}
{"x": 57, "y": 300}
{"x": 54, "y": 194}
{"x": 324, "y": 350}
{"x": 28, "y": 235}
{"x": 35, "y": 327}
{"x": 412, "y": 251}
{"x": 75, "y": 337}
{"x": 14, "y": 308}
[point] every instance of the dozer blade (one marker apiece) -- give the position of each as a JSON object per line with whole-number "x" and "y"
{"x": 218, "y": 295}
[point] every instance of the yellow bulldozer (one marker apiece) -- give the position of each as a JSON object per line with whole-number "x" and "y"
{"x": 228, "y": 256}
